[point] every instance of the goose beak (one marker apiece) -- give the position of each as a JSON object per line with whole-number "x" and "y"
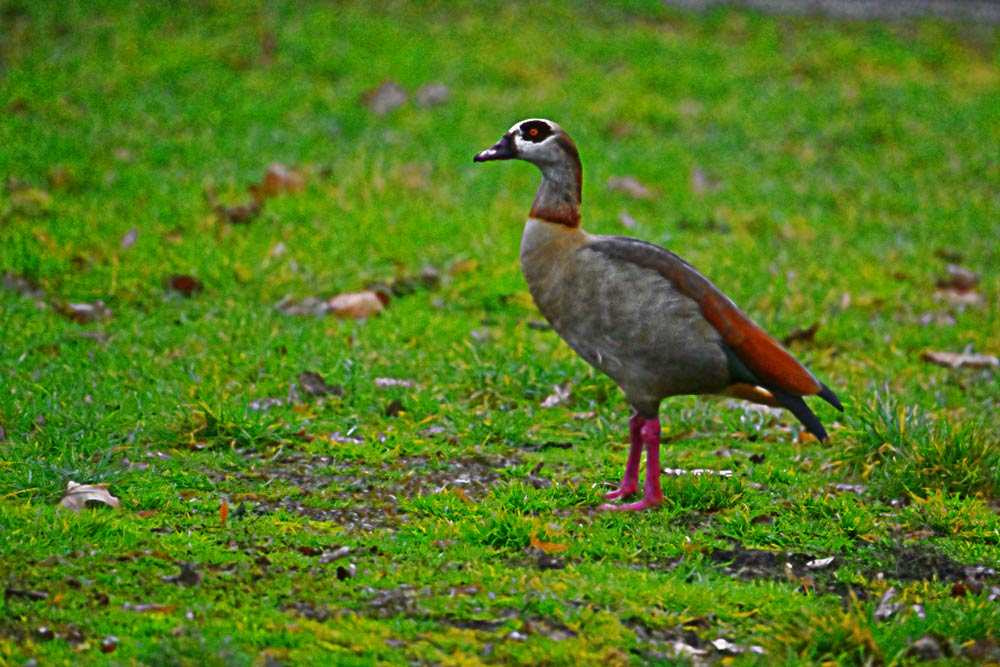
{"x": 501, "y": 150}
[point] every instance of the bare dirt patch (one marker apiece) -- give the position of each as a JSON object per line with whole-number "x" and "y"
{"x": 365, "y": 495}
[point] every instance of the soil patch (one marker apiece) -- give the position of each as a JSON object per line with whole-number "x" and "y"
{"x": 364, "y": 495}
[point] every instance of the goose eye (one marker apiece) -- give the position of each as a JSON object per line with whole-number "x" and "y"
{"x": 536, "y": 131}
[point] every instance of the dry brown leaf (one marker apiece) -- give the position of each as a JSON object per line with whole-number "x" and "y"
{"x": 548, "y": 547}
{"x": 387, "y": 97}
{"x": 78, "y": 495}
{"x": 631, "y": 186}
{"x": 240, "y": 214}
{"x": 961, "y": 359}
{"x": 278, "y": 180}
{"x": 184, "y": 285}
{"x": 314, "y": 385}
{"x": 359, "y": 305}
{"x": 188, "y": 576}
{"x": 806, "y": 334}
{"x": 959, "y": 278}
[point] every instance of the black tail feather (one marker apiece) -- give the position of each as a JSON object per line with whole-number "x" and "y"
{"x": 798, "y": 407}
{"x": 827, "y": 395}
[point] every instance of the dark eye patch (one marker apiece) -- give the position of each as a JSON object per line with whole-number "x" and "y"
{"x": 536, "y": 130}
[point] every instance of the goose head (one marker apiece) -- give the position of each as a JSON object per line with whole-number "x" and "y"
{"x": 547, "y": 146}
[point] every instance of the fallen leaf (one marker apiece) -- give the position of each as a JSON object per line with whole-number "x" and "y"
{"x": 384, "y": 383}
{"x": 961, "y": 359}
{"x": 359, "y": 305}
{"x": 630, "y": 186}
{"x": 187, "y": 577}
{"x": 431, "y": 95}
{"x": 928, "y": 648}
{"x": 387, "y": 97}
{"x": 331, "y": 555}
{"x": 560, "y": 394}
{"x": 308, "y": 306}
{"x": 536, "y": 481}
{"x": 223, "y": 511}
{"x": 959, "y": 278}
{"x": 961, "y": 299}
{"x": 83, "y": 313}
{"x": 78, "y": 495}
{"x": 278, "y": 180}
{"x": 887, "y": 608}
{"x": 394, "y": 407}
{"x": 9, "y": 593}
{"x": 806, "y": 334}
{"x": 185, "y": 285}
{"x": 983, "y": 649}
{"x": 240, "y": 214}
{"x": 548, "y": 547}
{"x": 315, "y": 385}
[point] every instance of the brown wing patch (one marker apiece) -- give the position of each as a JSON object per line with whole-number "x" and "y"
{"x": 757, "y": 349}
{"x": 774, "y": 366}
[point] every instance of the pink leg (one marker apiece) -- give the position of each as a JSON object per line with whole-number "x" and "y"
{"x": 630, "y": 483}
{"x": 652, "y": 495}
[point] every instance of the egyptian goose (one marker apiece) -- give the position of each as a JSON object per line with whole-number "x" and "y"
{"x": 639, "y": 313}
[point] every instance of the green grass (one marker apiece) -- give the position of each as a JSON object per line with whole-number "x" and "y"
{"x": 851, "y": 161}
